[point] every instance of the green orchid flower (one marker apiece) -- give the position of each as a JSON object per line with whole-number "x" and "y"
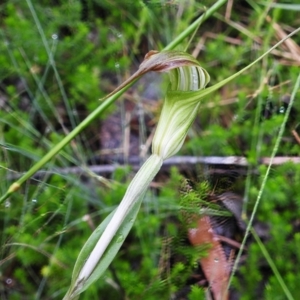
{"x": 178, "y": 113}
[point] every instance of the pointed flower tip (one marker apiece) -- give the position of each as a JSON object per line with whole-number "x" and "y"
{"x": 166, "y": 60}
{"x": 180, "y": 108}
{"x": 186, "y": 75}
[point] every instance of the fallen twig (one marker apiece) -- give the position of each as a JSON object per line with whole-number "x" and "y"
{"x": 182, "y": 162}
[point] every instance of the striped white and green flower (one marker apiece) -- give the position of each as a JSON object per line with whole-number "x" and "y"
{"x": 178, "y": 113}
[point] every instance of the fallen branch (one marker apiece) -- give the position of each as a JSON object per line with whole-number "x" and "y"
{"x": 182, "y": 162}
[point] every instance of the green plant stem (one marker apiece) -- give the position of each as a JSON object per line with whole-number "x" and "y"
{"x": 276, "y": 147}
{"x": 194, "y": 25}
{"x": 272, "y": 265}
{"x": 134, "y": 195}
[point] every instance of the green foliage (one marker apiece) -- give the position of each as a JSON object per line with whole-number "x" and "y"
{"x": 45, "y": 224}
{"x": 196, "y": 293}
{"x": 279, "y": 211}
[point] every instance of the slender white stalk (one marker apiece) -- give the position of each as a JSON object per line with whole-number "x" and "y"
{"x": 137, "y": 187}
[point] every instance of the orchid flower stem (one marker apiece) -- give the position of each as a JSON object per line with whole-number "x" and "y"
{"x": 134, "y": 193}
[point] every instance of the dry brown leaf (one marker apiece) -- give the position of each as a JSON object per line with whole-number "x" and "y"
{"x": 215, "y": 265}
